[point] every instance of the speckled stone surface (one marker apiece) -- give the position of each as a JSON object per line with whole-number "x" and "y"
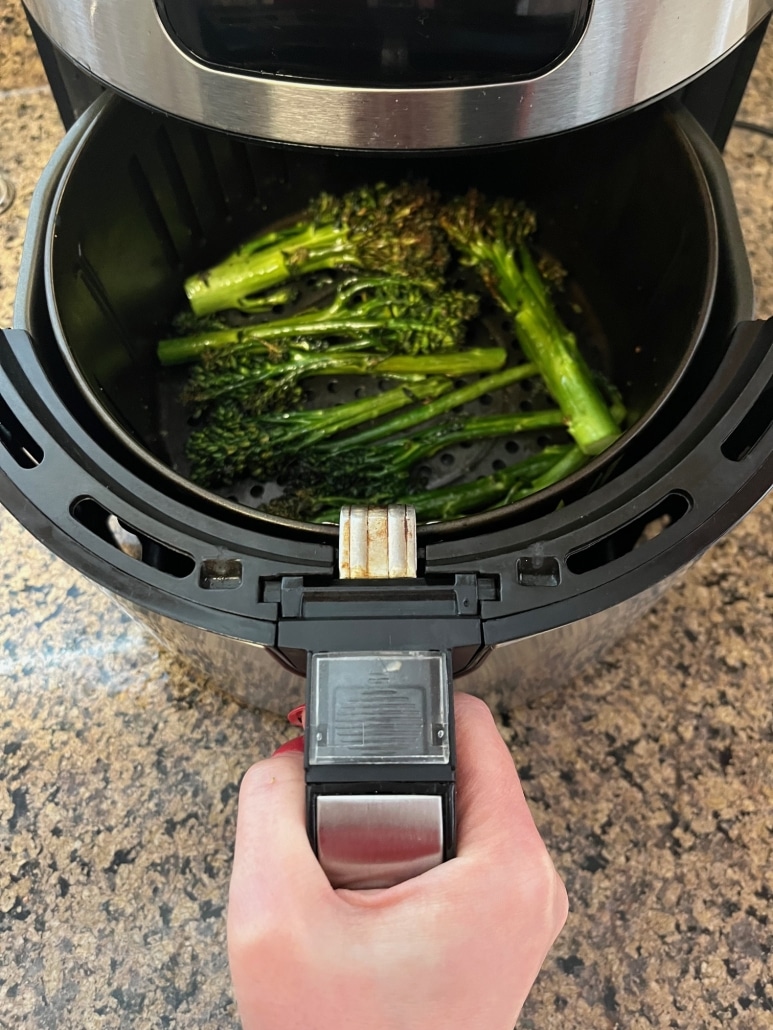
{"x": 651, "y": 776}
{"x": 19, "y": 64}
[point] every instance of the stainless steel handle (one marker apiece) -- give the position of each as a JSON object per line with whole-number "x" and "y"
{"x": 378, "y": 840}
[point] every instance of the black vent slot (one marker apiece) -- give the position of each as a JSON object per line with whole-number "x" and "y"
{"x": 751, "y": 428}
{"x": 621, "y": 541}
{"x": 129, "y": 540}
{"x": 25, "y": 451}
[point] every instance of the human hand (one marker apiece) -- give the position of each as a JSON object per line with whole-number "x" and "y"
{"x": 458, "y": 947}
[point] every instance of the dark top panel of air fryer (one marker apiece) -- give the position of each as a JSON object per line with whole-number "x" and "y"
{"x": 395, "y": 43}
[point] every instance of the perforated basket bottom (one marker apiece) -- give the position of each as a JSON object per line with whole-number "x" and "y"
{"x": 457, "y": 464}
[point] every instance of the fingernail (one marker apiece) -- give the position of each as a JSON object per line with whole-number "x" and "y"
{"x": 290, "y": 746}
{"x": 297, "y": 717}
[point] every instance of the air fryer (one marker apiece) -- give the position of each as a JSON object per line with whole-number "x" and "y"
{"x": 638, "y": 208}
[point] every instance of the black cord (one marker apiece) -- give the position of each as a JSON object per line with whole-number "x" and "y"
{"x": 763, "y": 130}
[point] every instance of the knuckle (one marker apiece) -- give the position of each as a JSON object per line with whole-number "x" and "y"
{"x": 543, "y": 877}
{"x": 537, "y": 887}
{"x": 561, "y": 904}
{"x": 253, "y": 780}
{"x": 268, "y": 774}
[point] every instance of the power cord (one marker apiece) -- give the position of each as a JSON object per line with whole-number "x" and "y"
{"x": 763, "y": 130}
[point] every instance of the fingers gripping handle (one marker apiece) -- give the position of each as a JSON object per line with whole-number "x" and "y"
{"x": 379, "y": 734}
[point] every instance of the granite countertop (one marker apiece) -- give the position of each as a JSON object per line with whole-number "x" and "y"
{"x": 651, "y": 775}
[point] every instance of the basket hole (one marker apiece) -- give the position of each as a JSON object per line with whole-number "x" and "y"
{"x": 512, "y": 447}
{"x": 129, "y": 540}
{"x": 485, "y": 399}
{"x": 257, "y": 490}
{"x": 25, "y": 451}
{"x": 332, "y": 386}
{"x": 543, "y": 441}
{"x": 526, "y": 405}
{"x": 446, "y": 458}
{"x": 497, "y": 464}
{"x": 752, "y": 427}
{"x": 623, "y": 540}
{"x": 359, "y": 392}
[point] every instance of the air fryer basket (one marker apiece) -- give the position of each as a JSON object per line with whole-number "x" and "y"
{"x": 146, "y": 200}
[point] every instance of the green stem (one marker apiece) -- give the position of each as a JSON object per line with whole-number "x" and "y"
{"x": 372, "y": 315}
{"x": 457, "y": 500}
{"x": 414, "y": 417}
{"x": 233, "y": 444}
{"x": 207, "y": 388}
{"x": 587, "y": 416}
{"x": 550, "y": 346}
{"x": 572, "y": 461}
{"x": 468, "y": 428}
{"x": 261, "y": 265}
{"x": 322, "y": 423}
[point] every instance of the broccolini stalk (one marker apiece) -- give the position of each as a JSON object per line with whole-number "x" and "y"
{"x": 233, "y": 444}
{"x": 463, "y": 395}
{"x": 376, "y": 228}
{"x": 405, "y": 452}
{"x": 492, "y": 237}
{"x": 379, "y": 473}
{"x": 460, "y": 499}
{"x": 570, "y": 461}
{"x": 186, "y": 323}
{"x": 257, "y": 379}
{"x": 574, "y": 459}
{"x": 414, "y": 317}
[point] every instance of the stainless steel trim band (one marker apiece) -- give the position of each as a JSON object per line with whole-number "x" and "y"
{"x": 632, "y": 51}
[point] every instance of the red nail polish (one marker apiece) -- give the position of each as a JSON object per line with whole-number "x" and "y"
{"x": 290, "y": 746}
{"x": 297, "y": 717}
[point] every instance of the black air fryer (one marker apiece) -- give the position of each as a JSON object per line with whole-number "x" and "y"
{"x": 212, "y": 119}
